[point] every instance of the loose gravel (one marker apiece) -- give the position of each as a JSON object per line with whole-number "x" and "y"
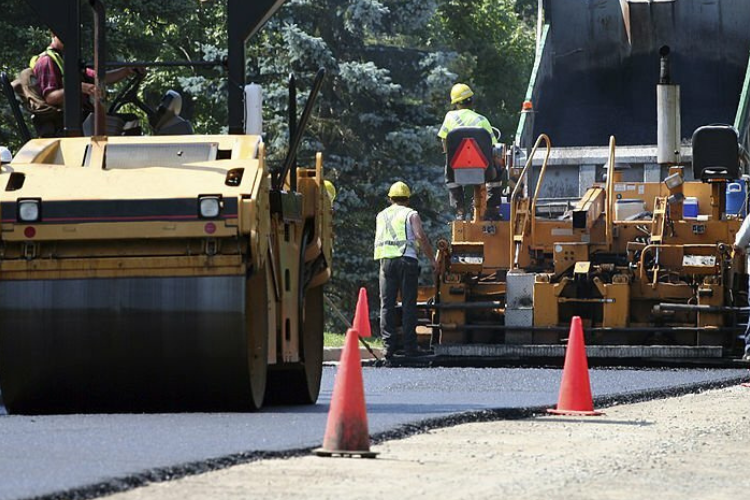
{"x": 693, "y": 446}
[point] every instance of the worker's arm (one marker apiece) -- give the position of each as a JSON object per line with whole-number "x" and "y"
{"x": 56, "y": 97}
{"x": 116, "y": 75}
{"x": 742, "y": 240}
{"x": 424, "y": 241}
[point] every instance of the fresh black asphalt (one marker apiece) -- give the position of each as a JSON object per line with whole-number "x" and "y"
{"x": 83, "y": 456}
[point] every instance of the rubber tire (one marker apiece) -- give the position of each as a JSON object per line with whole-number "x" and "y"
{"x": 258, "y": 294}
{"x": 299, "y": 383}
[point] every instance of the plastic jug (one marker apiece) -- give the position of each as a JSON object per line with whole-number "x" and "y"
{"x": 736, "y": 198}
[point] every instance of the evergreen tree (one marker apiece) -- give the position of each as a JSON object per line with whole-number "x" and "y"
{"x": 376, "y": 121}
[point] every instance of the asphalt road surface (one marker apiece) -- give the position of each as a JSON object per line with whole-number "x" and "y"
{"x": 83, "y": 456}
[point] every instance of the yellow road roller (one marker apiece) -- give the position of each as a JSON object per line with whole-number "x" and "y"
{"x": 165, "y": 272}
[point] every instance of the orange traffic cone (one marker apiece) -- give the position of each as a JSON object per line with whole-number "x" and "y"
{"x": 346, "y": 430}
{"x": 575, "y": 388}
{"x": 361, "y": 321}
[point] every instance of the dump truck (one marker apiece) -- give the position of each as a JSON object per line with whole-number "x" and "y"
{"x": 628, "y": 195}
{"x": 165, "y": 272}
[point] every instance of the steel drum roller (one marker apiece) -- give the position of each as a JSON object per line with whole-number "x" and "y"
{"x": 127, "y": 344}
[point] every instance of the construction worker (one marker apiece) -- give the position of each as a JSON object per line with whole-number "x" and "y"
{"x": 398, "y": 239}
{"x": 330, "y": 189}
{"x": 741, "y": 245}
{"x": 463, "y": 116}
{"x": 48, "y": 69}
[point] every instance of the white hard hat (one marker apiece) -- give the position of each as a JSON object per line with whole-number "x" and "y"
{"x": 5, "y": 156}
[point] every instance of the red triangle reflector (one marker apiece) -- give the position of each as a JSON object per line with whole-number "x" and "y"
{"x": 468, "y": 155}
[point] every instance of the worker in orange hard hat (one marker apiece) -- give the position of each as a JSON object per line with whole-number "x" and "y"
{"x": 464, "y": 116}
{"x": 399, "y": 237}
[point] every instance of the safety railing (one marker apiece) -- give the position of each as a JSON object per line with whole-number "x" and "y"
{"x": 516, "y": 238}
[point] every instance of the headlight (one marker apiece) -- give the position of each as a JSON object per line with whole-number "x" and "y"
{"x": 28, "y": 210}
{"x": 209, "y": 206}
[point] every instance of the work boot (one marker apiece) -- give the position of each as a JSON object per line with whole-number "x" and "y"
{"x": 388, "y": 352}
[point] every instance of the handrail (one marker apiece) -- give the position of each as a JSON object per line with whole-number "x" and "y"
{"x": 539, "y": 181}
{"x": 514, "y": 194}
{"x": 296, "y": 140}
{"x": 608, "y": 210}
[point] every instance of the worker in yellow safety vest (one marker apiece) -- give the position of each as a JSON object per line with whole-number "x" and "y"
{"x": 464, "y": 116}
{"x": 49, "y": 68}
{"x": 399, "y": 237}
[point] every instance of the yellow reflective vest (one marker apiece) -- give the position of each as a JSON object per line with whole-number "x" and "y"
{"x": 390, "y": 232}
{"x": 464, "y": 118}
{"x": 54, "y": 55}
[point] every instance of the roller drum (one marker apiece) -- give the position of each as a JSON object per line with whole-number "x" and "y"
{"x": 127, "y": 344}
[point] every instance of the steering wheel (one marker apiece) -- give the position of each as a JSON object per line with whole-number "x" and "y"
{"x": 129, "y": 95}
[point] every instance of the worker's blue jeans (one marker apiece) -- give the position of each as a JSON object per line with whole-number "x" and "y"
{"x": 399, "y": 274}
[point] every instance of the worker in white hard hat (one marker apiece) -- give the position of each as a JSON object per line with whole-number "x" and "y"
{"x": 464, "y": 116}
{"x": 399, "y": 237}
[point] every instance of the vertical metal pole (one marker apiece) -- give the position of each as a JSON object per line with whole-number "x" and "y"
{"x": 244, "y": 18}
{"x": 292, "y": 128}
{"x": 99, "y": 66}
{"x": 236, "y": 69}
{"x": 71, "y": 37}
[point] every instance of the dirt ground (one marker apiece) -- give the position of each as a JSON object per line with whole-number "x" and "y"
{"x": 694, "y": 446}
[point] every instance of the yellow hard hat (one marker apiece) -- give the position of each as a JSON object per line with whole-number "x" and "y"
{"x": 330, "y": 189}
{"x": 460, "y": 92}
{"x": 399, "y": 190}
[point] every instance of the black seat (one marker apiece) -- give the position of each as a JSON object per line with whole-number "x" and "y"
{"x": 716, "y": 155}
{"x": 15, "y": 106}
{"x": 469, "y": 151}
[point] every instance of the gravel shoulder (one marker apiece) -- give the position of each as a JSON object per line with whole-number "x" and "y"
{"x": 694, "y": 446}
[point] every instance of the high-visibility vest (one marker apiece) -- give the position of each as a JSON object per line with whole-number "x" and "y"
{"x": 464, "y": 118}
{"x": 390, "y": 232}
{"x": 54, "y": 55}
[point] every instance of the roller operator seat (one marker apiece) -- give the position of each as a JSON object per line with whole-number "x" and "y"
{"x": 716, "y": 156}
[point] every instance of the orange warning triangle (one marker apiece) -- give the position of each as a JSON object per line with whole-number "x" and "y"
{"x": 468, "y": 155}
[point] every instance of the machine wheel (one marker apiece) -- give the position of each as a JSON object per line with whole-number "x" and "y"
{"x": 306, "y": 384}
{"x": 300, "y": 383}
{"x": 258, "y": 311}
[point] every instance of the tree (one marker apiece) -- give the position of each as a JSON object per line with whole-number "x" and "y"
{"x": 496, "y": 48}
{"x": 376, "y": 121}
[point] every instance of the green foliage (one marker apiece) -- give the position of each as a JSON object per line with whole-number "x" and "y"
{"x": 495, "y": 48}
{"x": 390, "y": 67}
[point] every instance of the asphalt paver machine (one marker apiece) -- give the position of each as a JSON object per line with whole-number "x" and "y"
{"x": 641, "y": 249}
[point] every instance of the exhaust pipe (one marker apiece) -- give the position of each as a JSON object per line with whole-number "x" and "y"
{"x": 667, "y": 114}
